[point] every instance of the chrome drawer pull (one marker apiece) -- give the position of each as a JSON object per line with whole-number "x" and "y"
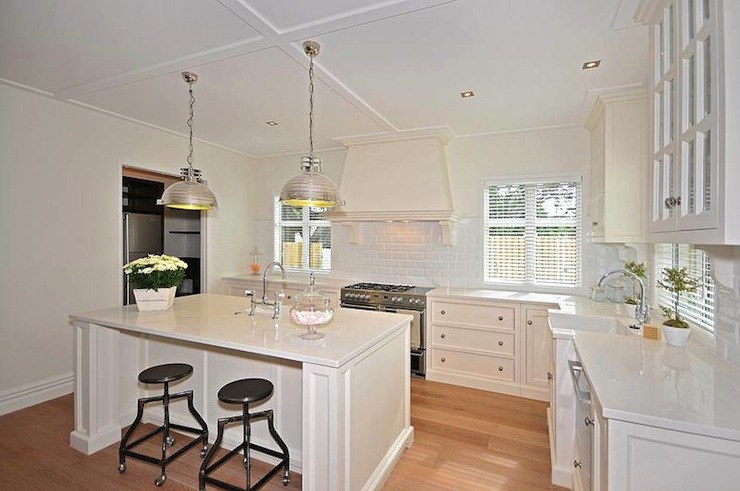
{"x": 576, "y": 463}
{"x": 500, "y": 343}
{"x": 442, "y": 336}
{"x": 443, "y": 360}
{"x": 529, "y": 322}
{"x": 500, "y": 317}
{"x": 588, "y": 421}
{"x": 500, "y": 369}
{"x": 443, "y": 312}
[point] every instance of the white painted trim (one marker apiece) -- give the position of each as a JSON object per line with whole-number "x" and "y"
{"x": 37, "y": 392}
{"x": 609, "y": 94}
{"x": 386, "y": 466}
{"x": 443, "y": 133}
{"x": 516, "y": 130}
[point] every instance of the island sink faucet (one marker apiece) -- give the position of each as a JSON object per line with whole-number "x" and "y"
{"x": 642, "y": 311}
{"x": 278, "y": 303}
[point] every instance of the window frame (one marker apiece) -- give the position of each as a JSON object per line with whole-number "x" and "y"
{"x": 688, "y": 313}
{"x": 535, "y": 179}
{"x": 305, "y": 223}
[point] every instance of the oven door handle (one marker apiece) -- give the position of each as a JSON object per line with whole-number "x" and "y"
{"x": 360, "y": 307}
{"x": 576, "y": 372}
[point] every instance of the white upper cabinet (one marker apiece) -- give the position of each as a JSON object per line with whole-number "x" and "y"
{"x": 619, "y": 167}
{"x": 695, "y": 84}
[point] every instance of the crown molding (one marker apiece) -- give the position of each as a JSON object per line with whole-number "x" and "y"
{"x": 443, "y": 133}
{"x": 647, "y": 9}
{"x": 608, "y": 94}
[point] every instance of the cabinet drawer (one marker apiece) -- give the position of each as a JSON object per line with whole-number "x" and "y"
{"x": 473, "y": 363}
{"x": 495, "y": 342}
{"x": 474, "y": 315}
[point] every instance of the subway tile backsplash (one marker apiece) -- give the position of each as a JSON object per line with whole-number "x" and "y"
{"x": 412, "y": 253}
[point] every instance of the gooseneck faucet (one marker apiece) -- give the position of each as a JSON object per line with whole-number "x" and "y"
{"x": 274, "y": 264}
{"x": 642, "y": 312}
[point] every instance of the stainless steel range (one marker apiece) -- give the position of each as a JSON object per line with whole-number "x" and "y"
{"x": 402, "y": 299}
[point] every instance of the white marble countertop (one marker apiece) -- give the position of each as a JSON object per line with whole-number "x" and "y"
{"x": 209, "y": 319}
{"x": 648, "y": 382}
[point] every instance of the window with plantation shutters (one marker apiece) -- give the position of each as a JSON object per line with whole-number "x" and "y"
{"x": 302, "y": 238}
{"x": 533, "y": 233}
{"x": 696, "y": 307}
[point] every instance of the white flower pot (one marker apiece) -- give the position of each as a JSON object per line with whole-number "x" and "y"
{"x": 630, "y": 308}
{"x": 160, "y": 299}
{"x": 676, "y": 336}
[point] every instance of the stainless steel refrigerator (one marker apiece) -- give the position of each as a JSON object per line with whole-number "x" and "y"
{"x": 142, "y": 235}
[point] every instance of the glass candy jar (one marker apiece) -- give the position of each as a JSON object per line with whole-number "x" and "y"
{"x": 312, "y": 308}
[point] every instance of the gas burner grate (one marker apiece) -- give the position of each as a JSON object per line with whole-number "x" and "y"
{"x": 380, "y": 287}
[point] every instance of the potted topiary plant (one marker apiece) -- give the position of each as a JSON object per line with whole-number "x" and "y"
{"x": 677, "y": 281}
{"x": 155, "y": 279}
{"x": 638, "y": 269}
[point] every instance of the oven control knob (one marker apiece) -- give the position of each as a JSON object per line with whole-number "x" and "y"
{"x": 367, "y": 297}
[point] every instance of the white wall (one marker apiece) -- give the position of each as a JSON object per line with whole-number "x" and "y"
{"x": 60, "y": 184}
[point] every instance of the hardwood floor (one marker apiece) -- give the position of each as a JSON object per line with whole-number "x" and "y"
{"x": 465, "y": 440}
{"x": 469, "y": 439}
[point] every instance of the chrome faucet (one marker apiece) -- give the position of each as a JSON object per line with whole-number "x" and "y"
{"x": 277, "y": 264}
{"x": 642, "y": 311}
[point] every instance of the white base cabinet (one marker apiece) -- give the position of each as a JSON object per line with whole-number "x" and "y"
{"x": 490, "y": 345}
{"x": 640, "y": 457}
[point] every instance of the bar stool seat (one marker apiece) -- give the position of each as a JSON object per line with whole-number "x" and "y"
{"x": 163, "y": 374}
{"x": 168, "y": 372}
{"x": 245, "y": 392}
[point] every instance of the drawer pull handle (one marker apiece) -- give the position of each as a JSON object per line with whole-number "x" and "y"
{"x": 549, "y": 376}
{"x": 500, "y": 343}
{"x": 443, "y": 312}
{"x": 576, "y": 463}
{"x": 500, "y": 369}
{"x": 588, "y": 421}
{"x": 500, "y": 317}
{"x": 442, "y": 336}
{"x": 442, "y": 360}
{"x": 529, "y": 322}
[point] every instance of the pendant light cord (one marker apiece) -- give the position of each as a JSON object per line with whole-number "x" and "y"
{"x": 190, "y": 128}
{"x": 310, "y": 107}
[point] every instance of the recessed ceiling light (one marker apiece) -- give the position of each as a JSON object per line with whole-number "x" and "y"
{"x": 271, "y": 123}
{"x": 466, "y": 94}
{"x": 591, "y": 64}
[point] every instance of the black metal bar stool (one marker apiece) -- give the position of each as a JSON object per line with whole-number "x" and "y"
{"x": 163, "y": 374}
{"x": 244, "y": 392}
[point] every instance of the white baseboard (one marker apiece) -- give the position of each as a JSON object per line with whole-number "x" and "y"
{"x": 474, "y": 382}
{"x": 36, "y": 392}
{"x": 386, "y": 466}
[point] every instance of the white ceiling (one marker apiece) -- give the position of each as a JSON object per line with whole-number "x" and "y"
{"x": 385, "y": 67}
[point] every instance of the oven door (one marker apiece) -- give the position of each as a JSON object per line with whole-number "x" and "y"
{"x": 417, "y": 326}
{"x": 418, "y": 339}
{"x": 345, "y": 305}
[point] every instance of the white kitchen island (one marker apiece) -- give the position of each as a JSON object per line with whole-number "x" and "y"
{"x": 342, "y": 403}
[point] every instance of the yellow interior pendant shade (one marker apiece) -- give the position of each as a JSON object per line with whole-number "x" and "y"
{"x": 189, "y": 195}
{"x": 310, "y": 187}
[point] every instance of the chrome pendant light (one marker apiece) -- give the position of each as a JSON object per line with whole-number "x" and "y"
{"x": 190, "y": 193}
{"x": 311, "y": 187}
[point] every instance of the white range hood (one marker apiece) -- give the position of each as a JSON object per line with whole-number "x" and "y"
{"x": 399, "y": 180}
